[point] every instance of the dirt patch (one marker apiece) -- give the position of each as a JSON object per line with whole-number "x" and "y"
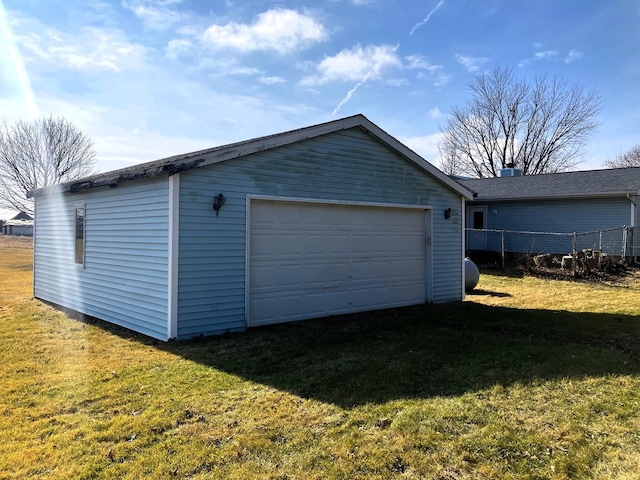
{"x": 15, "y": 241}
{"x": 623, "y": 276}
{"x": 629, "y": 278}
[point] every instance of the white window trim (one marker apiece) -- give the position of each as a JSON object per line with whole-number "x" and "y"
{"x": 173, "y": 256}
{"x": 79, "y": 265}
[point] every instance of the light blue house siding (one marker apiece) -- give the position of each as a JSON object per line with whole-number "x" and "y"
{"x": 567, "y": 216}
{"x": 577, "y": 215}
{"x": 124, "y": 279}
{"x": 348, "y": 165}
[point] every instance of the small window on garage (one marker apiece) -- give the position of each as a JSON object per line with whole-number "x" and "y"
{"x": 79, "y": 234}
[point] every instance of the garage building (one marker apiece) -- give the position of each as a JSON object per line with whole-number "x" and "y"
{"x": 330, "y": 219}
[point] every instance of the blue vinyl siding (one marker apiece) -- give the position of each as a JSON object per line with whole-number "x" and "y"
{"x": 566, "y": 216}
{"x": 124, "y": 280}
{"x": 559, "y": 216}
{"x": 348, "y": 165}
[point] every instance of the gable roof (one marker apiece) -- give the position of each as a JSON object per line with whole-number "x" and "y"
{"x": 22, "y": 216}
{"x": 583, "y": 184}
{"x": 202, "y": 158}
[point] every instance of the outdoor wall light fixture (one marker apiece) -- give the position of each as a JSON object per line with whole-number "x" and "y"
{"x": 218, "y": 202}
{"x": 447, "y": 213}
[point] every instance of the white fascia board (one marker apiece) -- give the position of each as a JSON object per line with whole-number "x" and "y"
{"x": 173, "y": 256}
{"x": 568, "y": 196}
{"x": 463, "y": 211}
{"x": 247, "y": 265}
{"x": 429, "y": 254}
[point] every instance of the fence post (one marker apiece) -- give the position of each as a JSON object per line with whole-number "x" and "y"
{"x": 624, "y": 244}
{"x": 574, "y": 253}
{"x": 502, "y": 248}
{"x": 600, "y": 243}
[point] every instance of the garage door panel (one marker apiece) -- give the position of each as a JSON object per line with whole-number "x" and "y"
{"x": 313, "y": 260}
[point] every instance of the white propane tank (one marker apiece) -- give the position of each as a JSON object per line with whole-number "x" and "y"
{"x": 471, "y": 275}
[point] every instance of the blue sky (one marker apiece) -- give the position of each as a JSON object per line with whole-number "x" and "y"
{"x": 146, "y": 79}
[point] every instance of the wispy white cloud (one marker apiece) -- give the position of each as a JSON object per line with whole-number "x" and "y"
{"x": 271, "y": 80}
{"x": 573, "y": 55}
{"x": 243, "y": 71}
{"x": 355, "y": 64}
{"x": 546, "y": 55}
{"x": 435, "y": 113}
{"x": 280, "y": 30}
{"x": 549, "y": 55}
{"x": 435, "y": 73}
{"x": 90, "y": 49}
{"x": 223, "y": 66}
{"x": 472, "y": 64}
{"x": 417, "y": 62}
{"x": 179, "y": 48}
{"x": 155, "y": 14}
{"x": 398, "y": 82}
{"x": 427, "y": 18}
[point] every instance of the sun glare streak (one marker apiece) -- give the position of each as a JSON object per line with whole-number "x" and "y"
{"x": 13, "y": 69}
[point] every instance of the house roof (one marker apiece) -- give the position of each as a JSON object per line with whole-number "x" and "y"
{"x": 583, "y": 184}
{"x": 201, "y": 158}
{"x": 22, "y": 216}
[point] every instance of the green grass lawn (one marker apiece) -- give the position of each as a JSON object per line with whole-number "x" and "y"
{"x": 526, "y": 379}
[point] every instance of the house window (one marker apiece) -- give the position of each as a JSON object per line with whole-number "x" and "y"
{"x": 79, "y": 234}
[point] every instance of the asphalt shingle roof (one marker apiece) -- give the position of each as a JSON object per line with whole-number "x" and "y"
{"x": 201, "y": 158}
{"x": 611, "y": 182}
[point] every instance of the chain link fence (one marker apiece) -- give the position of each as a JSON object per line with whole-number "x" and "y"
{"x": 562, "y": 253}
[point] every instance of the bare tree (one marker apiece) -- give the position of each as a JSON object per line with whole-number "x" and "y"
{"x": 40, "y": 153}
{"x": 624, "y": 160}
{"x": 538, "y": 127}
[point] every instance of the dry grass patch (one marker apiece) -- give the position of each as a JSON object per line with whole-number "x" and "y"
{"x": 15, "y": 241}
{"x": 526, "y": 379}
{"x": 560, "y": 295}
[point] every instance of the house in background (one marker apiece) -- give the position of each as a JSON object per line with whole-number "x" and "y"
{"x": 19, "y": 224}
{"x": 584, "y": 201}
{"x": 325, "y": 220}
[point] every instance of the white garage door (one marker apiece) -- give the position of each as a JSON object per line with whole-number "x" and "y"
{"x": 309, "y": 260}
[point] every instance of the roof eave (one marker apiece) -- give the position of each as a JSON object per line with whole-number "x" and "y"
{"x": 405, "y": 151}
{"x": 202, "y": 158}
{"x": 567, "y": 196}
{"x": 179, "y": 163}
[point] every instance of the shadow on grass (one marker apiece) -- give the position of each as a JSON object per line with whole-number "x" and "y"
{"x": 479, "y": 291}
{"x": 422, "y": 351}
